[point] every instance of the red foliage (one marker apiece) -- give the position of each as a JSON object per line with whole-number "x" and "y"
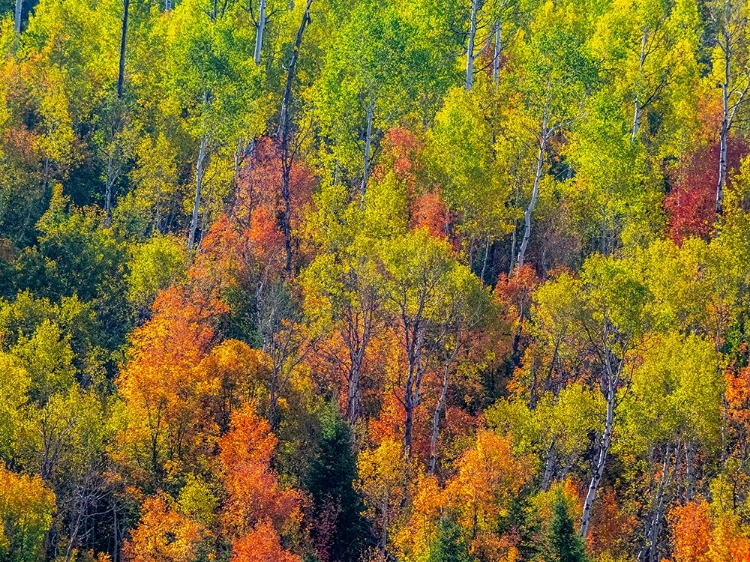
{"x": 259, "y": 185}
{"x": 400, "y": 150}
{"x": 514, "y": 291}
{"x": 265, "y": 236}
{"x": 691, "y": 203}
{"x": 430, "y": 212}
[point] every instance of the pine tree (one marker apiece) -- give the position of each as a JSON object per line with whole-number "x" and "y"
{"x": 340, "y": 530}
{"x": 449, "y": 544}
{"x": 564, "y": 544}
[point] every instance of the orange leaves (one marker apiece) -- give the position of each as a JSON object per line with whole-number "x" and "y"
{"x": 515, "y": 291}
{"x": 489, "y": 476}
{"x": 254, "y": 493}
{"x": 164, "y": 392}
{"x": 738, "y": 396}
{"x": 261, "y": 545}
{"x": 165, "y": 535}
{"x": 702, "y": 533}
{"x": 256, "y": 511}
{"x": 400, "y": 150}
{"x": 178, "y": 390}
{"x": 265, "y": 236}
{"x": 430, "y": 212}
{"x": 691, "y": 532}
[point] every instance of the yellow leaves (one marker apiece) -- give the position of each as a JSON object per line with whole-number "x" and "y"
{"x": 489, "y": 477}
{"x": 26, "y": 508}
{"x": 383, "y": 474}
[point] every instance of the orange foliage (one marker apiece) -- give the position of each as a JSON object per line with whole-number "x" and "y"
{"x": 691, "y": 532}
{"x": 266, "y": 238}
{"x": 609, "y": 525}
{"x": 164, "y": 392}
{"x": 401, "y": 148}
{"x": 261, "y": 544}
{"x": 430, "y": 212}
{"x": 165, "y": 535}
{"x": 254, "y": 493}
{"x": 489, "y": 477}
{"x": 514, "y": 292}
{"x": 259, "y": 186}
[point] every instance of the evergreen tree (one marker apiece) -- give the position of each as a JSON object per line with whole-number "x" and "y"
{"x": 449, "y": 544}
{"x": 564, "y": 544}
{"x": 339, "y": 529}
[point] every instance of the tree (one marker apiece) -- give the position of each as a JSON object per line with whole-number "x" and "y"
{"x": 731, "y": 69}
{"x": 165, "y": 534}
{"x": 339, "y": 529}
{"x": 449, "y": 543}
{"x": 26, "y": 509}
{"x": 564, "y": 544}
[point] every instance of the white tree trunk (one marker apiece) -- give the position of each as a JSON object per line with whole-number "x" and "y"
{"x": 534, "y": 195}
{"x": 470, "y": 48}
{"x": 637, "y": 109}
{"x": 261, "y": 29}
{"x": 498, "y": 51}
{"x": 18, "y": 13}
{"x": 199, "y": 171}
{"x": 368, "y": 148}
{"x": 602, "y": 458}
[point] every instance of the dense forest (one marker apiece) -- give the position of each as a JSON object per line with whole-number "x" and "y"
{"x": 375, "y": 280}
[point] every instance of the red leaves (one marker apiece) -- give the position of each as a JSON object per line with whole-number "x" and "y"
{"x": 691, "y": 204}
{"x": 430, "y": 212}
{"x": 400, "y": 150}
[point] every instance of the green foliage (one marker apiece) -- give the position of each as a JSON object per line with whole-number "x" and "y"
{"x": 340, "y": 529}
{"x": 564, "y": 544}
{"x": 449, "y": 545}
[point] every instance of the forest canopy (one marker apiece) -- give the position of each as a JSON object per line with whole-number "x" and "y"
{"x": 374, "y": 280}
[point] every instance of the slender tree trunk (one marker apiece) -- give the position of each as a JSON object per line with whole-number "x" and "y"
{"x": 485, "y": 260}
{"x": 261, "y": 29}
{"x": 413, "y": 382}
{"x": 441, "y": 406}
{"x": 356, "y": 357}
{"x": 725, "y": 125}
{"x": 534, "y": 195}
{"x": 368, "y": 146}
{"x": 409, "y": 405}
{"x": 549, "y": 466}
{"x": 649, "y": 551}
{"x": 17, "y": 16}
{"x": 123, "y": 40}
{"x": 498, "y": 51}
{"x": 352, "y": 400}
{"x": 602, "y": 458}
{"x": 199, "y": 171}
{"x": 637, "y": 108}
{"x": 470, "y": 48}
{"x": 287, "y": 156}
